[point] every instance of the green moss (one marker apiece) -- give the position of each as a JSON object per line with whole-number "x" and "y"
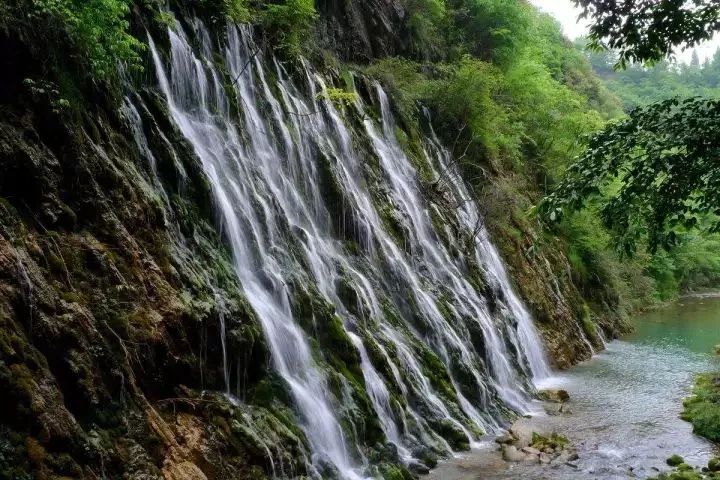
{"x": 702, "y": 408}
{"x": 392, "y": 222}
{"x": 435, "y": 371}
{"x": 683, "y": 471}
{"x": 555, "y": 440}
{"x": 290, "y": 23}
{"x": 394, "y": 472}
{"x": 452, "y": 433}
{"x": 589, "y": 327}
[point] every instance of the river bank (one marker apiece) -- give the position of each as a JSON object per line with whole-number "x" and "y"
{"x": 623, "y": 416}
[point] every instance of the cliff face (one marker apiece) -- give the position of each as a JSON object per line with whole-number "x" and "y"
{"x": 362, "y": 31}
{"x": 133, "y": 340}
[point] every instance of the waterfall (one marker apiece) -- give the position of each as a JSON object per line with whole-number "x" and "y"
{"x": 269, "y": 145}
{"x": 527, "y": 339}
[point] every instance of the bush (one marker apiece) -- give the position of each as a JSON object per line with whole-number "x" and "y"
{"x": 289, "y": 22}
{"x": 98, "y": 29}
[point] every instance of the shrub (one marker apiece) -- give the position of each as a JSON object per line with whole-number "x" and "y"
{"x": 98, "y": 29}
{"x": 290, "y": 22}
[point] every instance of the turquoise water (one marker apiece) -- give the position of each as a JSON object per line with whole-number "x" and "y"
{"x": 625, "y": 403}
{"x": 692, "y": 324}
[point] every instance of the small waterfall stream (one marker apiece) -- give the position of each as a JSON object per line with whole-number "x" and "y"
{"x": 434, "y": 354}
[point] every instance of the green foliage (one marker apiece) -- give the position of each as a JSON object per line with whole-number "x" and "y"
{"x": 648, "y": 31}
{"x": 493, "y": 30}
{"x": 426, "y": 21}
{"x": 555, "y": 440}
{"x": 650, "y": 176}
{"x": 468, "y": 97}
{"x": 289, "y": 22}
{"x": 702, "y": 409}
{"x": 237, "y": 11}
{"x": 664, "y": 158}
{"x": 97, "y": 28}
{"x": 639, "y": 85}
{"x": 339, "y": 97}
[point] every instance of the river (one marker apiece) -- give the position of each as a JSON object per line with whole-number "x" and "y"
{"x": 625, "y": 403}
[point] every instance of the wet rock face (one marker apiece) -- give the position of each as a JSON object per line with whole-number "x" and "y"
{"x": 110, "y": 314}
{"x": 569, "y": 319}
{"x": 361, "y": 31}
{"x": 556, "y": 395}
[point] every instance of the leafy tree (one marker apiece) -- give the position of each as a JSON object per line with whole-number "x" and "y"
{"x": 648, "y": 30}
{"x": 96, "y": 31}
{"x": 289, "y": 22}
{"x": 655, "y": 173}
{"x": 638, "y": 85}
{"x": 492, "y": 30}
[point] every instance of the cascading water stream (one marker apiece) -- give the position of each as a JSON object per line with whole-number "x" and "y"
{"x": 402, "y": 177}
{"x": 263, "y": 166}
{"x": 487, "y": 255}
{"x": 217, "y": 144}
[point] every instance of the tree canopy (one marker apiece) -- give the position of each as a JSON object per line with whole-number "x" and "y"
{"x": 656, "y": 172}
{"x": 649, "y": 30}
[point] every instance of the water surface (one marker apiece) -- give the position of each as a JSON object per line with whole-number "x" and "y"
{"x": 625, "y": 403}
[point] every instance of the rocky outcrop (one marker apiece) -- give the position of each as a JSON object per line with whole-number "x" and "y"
{"x": 113, "y": 290}
{"x": 362, "y": 31}
{"x": 522, "y": 444}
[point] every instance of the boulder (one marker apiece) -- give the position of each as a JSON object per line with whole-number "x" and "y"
{"x": 566, "y": 456}
{"x": 522, "y": 433}
{"x": 505, "y": 439}
{"x": 553, "y": 409}
{"x": 557, "y": 395}
{"x": 418, "y": 468}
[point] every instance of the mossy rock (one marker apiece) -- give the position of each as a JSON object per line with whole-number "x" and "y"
{"x": 555, "y": 440}
{"x": 701, "y": 408}
{"x": 675, "y": 460}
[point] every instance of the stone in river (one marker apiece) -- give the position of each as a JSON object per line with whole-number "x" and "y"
{"x": 557, "y": 395}
{"x": 531, "y": 450}
{"x": 510, "y": 453}
{"x": 504, "y": 439}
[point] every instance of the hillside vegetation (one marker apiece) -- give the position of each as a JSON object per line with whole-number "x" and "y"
{"x": 128, "y": 344}
{"x": 516, "y": 99}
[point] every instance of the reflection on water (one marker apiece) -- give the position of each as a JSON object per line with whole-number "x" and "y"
{"x": 626, "y": 402}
